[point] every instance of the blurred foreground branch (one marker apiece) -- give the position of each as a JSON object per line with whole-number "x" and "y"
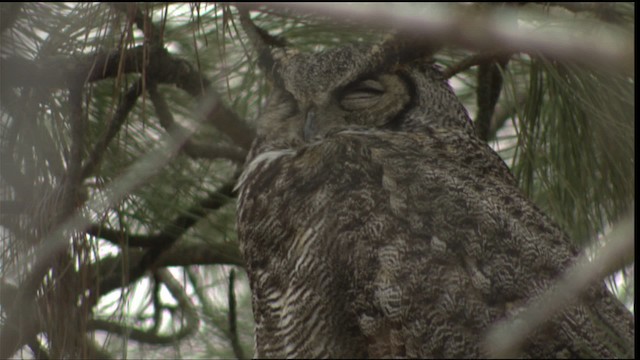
{"x": 505, "y": 339}
{"x": 444, "y": 24}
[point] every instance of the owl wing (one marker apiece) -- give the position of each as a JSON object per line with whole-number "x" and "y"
{"x": 387, "y": 244}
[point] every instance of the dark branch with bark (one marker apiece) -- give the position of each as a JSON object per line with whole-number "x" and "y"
{"x": 171, "y": 233}
{"x": 487, "y": 94}
{"x": 163, "y": 68}
{"x": 189, "y": 314}
{"x": 115, "y": 123}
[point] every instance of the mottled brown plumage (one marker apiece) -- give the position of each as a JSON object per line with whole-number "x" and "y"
{"x": 374, "y": 223}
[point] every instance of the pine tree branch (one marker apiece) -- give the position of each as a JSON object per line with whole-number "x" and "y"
{"x": 109, "y": 275}
{"x": 163, "y": 68}
{"x": 124, "y": 109}
{"x": 121, "y": 238}
{"x": 171, "y": 233}
{"x": 191, "y": 147}
{"x": 107, "y": 278}
{"x": 111, "y": 279}
{"x": 61, "y": 72}
{"x": 504, "y": 113}
{"x": 151, "y": 337}
{"x": 179, "y": 226}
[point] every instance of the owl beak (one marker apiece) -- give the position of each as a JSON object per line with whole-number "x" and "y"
{"x": 310, "y": 128}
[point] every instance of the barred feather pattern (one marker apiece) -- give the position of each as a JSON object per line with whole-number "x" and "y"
{"x": 410, "y": 246}
{"x": 402, "y": 242}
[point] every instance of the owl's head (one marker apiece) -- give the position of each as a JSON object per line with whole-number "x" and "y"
{"x": 389, "y": 86}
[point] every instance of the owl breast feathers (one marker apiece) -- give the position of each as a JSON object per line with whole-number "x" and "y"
{"x": 399, "y": 236}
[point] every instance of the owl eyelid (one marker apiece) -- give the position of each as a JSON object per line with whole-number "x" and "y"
{"x": 368, "y": 86}
{"x": 360, "y": 94}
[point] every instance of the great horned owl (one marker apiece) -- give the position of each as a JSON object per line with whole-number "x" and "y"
{"x": 374, "y": 223}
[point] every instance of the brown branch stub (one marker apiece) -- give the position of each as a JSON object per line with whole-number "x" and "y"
{"x": 489, "y": 80}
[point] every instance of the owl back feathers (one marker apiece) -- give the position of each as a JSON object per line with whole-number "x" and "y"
{"x": 391, "y": 244}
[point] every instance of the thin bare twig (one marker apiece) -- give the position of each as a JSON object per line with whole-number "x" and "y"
{"x": 233, "y": 329}
{"x": 74, "y": 177}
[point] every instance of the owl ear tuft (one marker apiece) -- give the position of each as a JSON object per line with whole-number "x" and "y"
{"x": 270, "y": 48}
{"x": 403, "y": 47}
